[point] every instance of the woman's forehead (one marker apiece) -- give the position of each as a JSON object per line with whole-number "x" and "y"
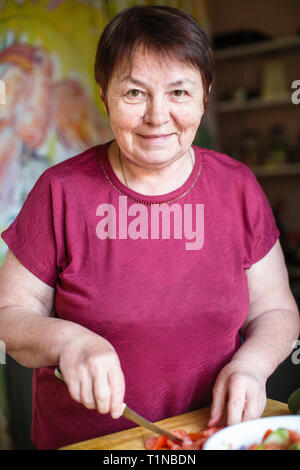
{"x": 150, "y": 63}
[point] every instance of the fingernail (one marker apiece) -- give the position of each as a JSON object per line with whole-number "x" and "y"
{"x": 212, "y": 421}
{"x": 115, "y": 414}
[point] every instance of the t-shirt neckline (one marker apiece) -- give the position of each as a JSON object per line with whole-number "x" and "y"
{"x": 167, "y": 198}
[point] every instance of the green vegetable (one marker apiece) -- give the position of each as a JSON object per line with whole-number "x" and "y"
{"x": 260, "y": 447}
{"x": 294, "y": 402}
{"x": 280, "y": 436}
{"x": 295, "y": 446}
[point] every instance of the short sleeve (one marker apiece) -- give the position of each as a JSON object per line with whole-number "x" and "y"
{"x": 31, "y": 236}
{"x": 260, "y": 231}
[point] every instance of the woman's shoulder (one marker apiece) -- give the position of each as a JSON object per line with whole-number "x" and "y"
{"x": 222, "y": 166}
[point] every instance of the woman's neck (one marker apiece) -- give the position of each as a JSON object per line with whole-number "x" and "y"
{"x": 151, "y": 181}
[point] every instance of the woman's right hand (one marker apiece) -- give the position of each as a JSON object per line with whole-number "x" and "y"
{"x": 93, "y": 374}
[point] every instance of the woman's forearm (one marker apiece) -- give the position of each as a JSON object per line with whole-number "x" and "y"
{"x": 269, "y": 339}
{"x": 34, "y": 340}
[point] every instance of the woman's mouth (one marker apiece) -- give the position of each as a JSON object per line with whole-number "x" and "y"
{"x": 155, "y": 138}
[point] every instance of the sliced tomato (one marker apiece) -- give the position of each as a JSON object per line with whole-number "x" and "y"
{"x": 150, "y": 443}
{"x": 191, "y": 441}
{"x": 274, "y": 446}
{"x": 188, "y": 443}
{"x": 179, "y": 433}
{"x": 253, "y": 447}
{"x": 195, "y": 435}
{"x": 200, "y": 442}
{"x": 160, "y": 442}
{"x": 294, "y": 437}
{"x": 175, "y": 447}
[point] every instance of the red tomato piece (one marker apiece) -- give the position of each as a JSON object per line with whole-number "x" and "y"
{"x": 179, "y": 433}
{"x": 150, "y": 443}
{"x": 253, "y": 447}
{"x": 176, "y": 447}
{"x": 200, "y": 442}
{"x": 294, "y": 437}
{"x": 274, "y": 446}
{"x": 195, "y": 436}
{"x": 160, "y": 442}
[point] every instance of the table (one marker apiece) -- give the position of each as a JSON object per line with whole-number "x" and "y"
{"x": 134, "y": 438}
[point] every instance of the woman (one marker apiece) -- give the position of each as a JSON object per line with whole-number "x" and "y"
{"x": 135, "y": 304}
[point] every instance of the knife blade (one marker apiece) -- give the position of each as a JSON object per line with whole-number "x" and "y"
{"x": 135, "y": 417}
{"x": 145, "y": 423}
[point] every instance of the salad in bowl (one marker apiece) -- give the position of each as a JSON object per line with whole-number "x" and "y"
{"x": 271, "y": 433}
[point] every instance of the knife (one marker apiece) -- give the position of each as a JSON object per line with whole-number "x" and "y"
{"x": 135, "y": 417}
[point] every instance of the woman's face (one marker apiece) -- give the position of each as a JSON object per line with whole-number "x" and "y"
{"x": 154, "y": 109}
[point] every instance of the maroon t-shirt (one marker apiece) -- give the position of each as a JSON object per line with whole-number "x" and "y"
{"x": 160, "y": 277}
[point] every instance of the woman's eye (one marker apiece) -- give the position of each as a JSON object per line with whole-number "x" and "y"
{"x": 179, "y": 93}
{"x": 134, "y": 93}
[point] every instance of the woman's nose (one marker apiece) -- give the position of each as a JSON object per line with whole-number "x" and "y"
{"x": 157, "y": 112}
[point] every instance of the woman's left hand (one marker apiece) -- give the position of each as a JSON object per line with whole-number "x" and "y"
{"x": 241, "y": 387}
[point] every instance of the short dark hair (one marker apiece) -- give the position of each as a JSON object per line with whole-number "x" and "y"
{"x": 166, "y": 30}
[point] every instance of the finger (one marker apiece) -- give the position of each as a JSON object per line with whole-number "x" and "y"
{"x": 117, "y": 386}
{"x": 250, "y": 411}
{"x": 218, "y": 403}
{"x": 74, "y": 388}
{"x": 86, "y": 391}
{"x": 254, "y": 406}
{"x": 236, "y": 401}
{"x": 102, "y": 393}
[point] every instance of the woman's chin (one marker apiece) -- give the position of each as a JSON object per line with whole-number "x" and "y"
{"x": 156, "y": 158}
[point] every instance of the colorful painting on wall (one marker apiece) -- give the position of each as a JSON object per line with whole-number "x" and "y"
{"x": 51, "y": 111}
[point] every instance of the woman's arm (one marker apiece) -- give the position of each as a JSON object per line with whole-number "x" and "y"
{"x": 271, "y": 327}
{"x": 89, "y": 363}
{"x": 30, "y": 336}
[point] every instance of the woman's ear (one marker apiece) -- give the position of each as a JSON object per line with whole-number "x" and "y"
{"x": 102, "y": 97}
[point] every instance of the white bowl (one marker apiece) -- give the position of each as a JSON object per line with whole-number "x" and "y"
{"x": 243, "y": 435}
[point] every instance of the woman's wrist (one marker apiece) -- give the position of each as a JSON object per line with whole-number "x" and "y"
{"x": 257, "y": 356}
{"x": 246, "y": 364}
{"x": 68, "y": 336}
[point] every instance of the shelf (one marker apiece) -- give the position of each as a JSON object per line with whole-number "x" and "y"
{"x": 277, "y": 44}
{"x": 288, "y": 169}
{"x": 254, "y": 103}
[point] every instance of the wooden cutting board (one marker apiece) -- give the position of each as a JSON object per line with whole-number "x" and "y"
{"x": 134, "y": 438}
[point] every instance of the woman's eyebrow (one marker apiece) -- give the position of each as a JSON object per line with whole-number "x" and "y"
{"x": 128, "y": 78}
{"x": 182, "y": 82}
{"x": 140, "y": 83}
